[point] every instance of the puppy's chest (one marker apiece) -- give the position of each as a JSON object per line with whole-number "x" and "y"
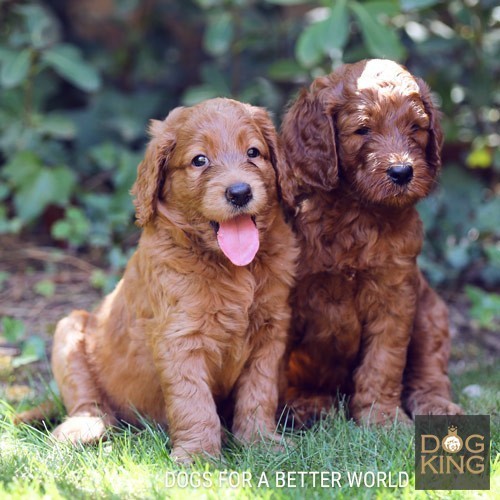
{"x": 229, "y": 305}
{"x": 239, "y": 321}
{"x": 235, "y": 329}
{"x": 361, "y": 248}
{"x": 353, "y": 256}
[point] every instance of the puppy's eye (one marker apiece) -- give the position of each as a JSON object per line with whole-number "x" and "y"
{"x": 200, "y": 161}
{"x": 416, "y": 128}
{"x": 253, "y": 153}
{"x": 362, "y": 131}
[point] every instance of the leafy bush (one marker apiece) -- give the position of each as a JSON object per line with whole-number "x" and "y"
{"x": 32, "y": 348}
{"x": 78, "y": 90}
{"x": 485, "y": 307}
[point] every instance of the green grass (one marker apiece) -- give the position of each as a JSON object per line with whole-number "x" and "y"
{"x": 135, "y": 463}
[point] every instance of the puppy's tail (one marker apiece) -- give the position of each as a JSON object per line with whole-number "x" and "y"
{"x": 44, "y": 411}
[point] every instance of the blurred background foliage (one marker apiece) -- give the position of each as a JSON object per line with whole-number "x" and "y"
{"x": 80, "y": 79}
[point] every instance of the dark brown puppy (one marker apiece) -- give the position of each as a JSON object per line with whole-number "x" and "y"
{"x": 363, "y": 146}
{"x": 200, "y": 317}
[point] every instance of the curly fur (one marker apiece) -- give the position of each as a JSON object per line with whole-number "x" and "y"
{"x": 186, "y": 334}
{"x": 365, "y": 321}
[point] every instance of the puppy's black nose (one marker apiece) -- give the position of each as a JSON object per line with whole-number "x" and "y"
{"x": 400, "y": 173}
{"x": 239, "y": 194}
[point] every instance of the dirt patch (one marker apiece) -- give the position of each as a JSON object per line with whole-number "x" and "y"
{"x": 28, "y": 267}
{"x": 68, "y": 286}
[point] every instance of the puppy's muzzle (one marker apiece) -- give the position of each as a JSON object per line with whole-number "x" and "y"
{"x": 401, "y": 173}
{"x": 239, "y": 194}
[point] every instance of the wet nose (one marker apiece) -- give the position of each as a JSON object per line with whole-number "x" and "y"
{"x": 239, "y": 194}
{"x": 400, "y": 173}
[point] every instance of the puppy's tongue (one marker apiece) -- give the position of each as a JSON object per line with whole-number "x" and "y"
{"x": 238, "y": 238}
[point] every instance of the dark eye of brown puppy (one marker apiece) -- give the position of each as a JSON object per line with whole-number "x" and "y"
{"x": 200, "y": 161}
{"x": 362, "y": 131}
{"x": 253, "y": 153}
{"x": 416, "y": 127}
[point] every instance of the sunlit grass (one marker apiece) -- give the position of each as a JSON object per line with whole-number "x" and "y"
{"x": 135, "y": 463}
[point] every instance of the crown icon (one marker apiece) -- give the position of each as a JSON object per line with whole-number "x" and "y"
{"x": 452, "y": 443}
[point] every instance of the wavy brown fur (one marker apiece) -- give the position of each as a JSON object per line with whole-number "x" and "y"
{"x": 186, "y": 331}
{"x": 365, "y": 321}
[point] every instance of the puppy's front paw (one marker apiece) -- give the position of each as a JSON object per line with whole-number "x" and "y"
{"x": 246, "y": 435}
{"x": 376, "y": 415}
{"x": 259, "y": 433}
{"x": 437, "y": 405}
{"x": 184, "y": 452}
{"x": 181, "y": 456}
{"x": 82, "y": 429}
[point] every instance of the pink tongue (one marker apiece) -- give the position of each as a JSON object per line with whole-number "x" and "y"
{"x": 239, "y": 239}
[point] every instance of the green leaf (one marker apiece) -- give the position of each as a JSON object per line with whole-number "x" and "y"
{"x": 309, "y": 47}
{"x": 9, "y": 224}
{"x": 23, "y": 360}
{"x": 74, "y": 228}
{"x": 480, "y": 158}
{"x": 33, "y": 349}
{"x": 219, "y": 34}
{"x": 207, "y": 4}
{"x": 458, "y": 256}
{"x": 45, "y": 288}
{"x": 407, "y": 5}
{"x": 41, "y": 25}
{"x": 98, "y": 279}
{"x": 458, "y": 184}
{"x": 128, "y": 127}
{"x": 21, "y": 168}
{"x": 287, "y": 2}
{"x": 4, "y": 191}
{"x": 213, "y": 76}
{"x": 57, "y": 126}
{"x": 67, "y": 62}
{"x": 105, "y": 155}
{"x": 487, "y": 217}
{"x": 15, "y": 68}
{"x": 485, "y": 306}
{"x": 285, "y": 70}
{"x": 386, "y": 7}
{"x": 13, "y": 329}
{"x": 47, "y": 186}
{"x": 4, "y": 53}
{"x": 336, "y": 27}
{"x": 493, "y": 254}
{"x": 380, "y": 40}
{"x": 199, "y": 93}
{"x": 321, "y": 38}
{"x": 127, "y": 171}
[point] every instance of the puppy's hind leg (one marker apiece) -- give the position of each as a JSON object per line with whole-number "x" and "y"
{"x": 427, "y": 388}
{"x": 88, "y": 416}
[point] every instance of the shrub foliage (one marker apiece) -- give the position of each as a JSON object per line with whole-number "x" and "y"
{"x": 79, "y": 81}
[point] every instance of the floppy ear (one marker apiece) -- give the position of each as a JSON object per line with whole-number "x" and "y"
{"x": 309, "y": 140}
{"x": 151, "y": 171}
{"x": 266, "y": 126}
{"x": 435, "y": 144}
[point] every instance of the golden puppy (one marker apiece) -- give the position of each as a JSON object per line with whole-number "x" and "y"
{"x": 200, "y": 316}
